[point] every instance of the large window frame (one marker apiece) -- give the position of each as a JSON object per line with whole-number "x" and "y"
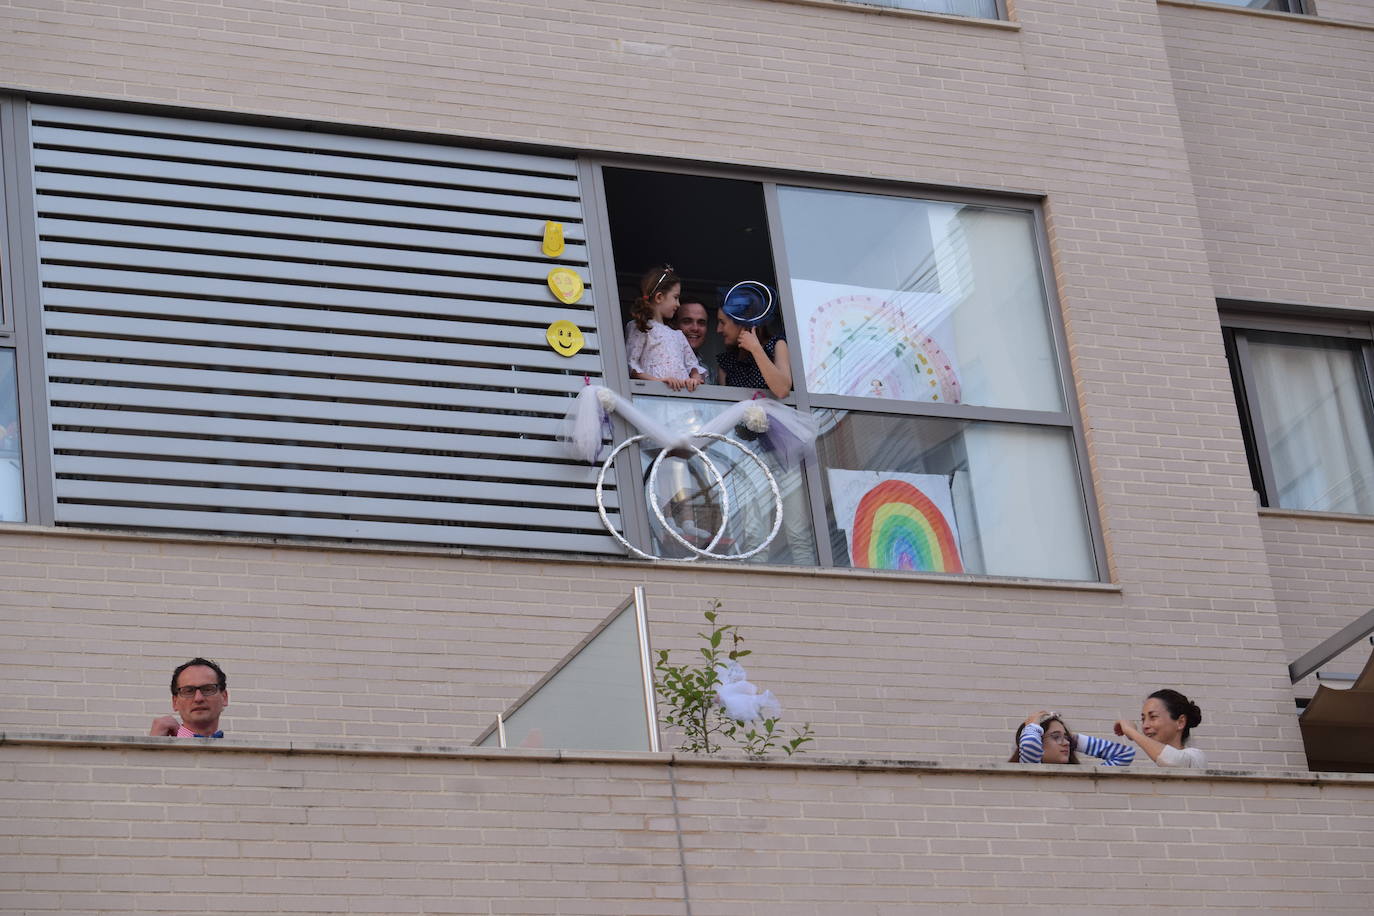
{"x": 1068, "y": 418}
{"x": 918, "y": 7}
{"x": 1295, "y": 7}
{"x": 20, "y": 326}
{"x": 22, "y": 332}
{"x": 1239, "y": 322}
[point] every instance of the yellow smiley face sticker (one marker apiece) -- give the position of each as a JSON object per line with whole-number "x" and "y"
{"x": 565, "y": 338}
{"x": 553, "y": 239}
{"x": 565, "y": 284}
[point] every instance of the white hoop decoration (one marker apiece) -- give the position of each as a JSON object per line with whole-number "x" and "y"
{"x": 718, "y": 481}
{"x": 725, "y": 501}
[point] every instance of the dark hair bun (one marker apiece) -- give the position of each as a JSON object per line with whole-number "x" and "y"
{"x": 1194, "y": 715}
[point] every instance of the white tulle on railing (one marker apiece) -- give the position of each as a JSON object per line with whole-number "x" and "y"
{"x": 784, "y": 431}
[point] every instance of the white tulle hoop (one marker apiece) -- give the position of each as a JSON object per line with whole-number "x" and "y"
{"x": 790, "y": 430}
{"x": 718, "y": 481}
{"x": 725, "y": 501}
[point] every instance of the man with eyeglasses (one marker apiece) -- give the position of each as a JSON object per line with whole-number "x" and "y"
{"x": 200, "y": 691}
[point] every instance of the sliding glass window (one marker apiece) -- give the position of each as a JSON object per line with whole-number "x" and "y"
{"x": 1304, "y": 395}
{"x": 920, "y": 335}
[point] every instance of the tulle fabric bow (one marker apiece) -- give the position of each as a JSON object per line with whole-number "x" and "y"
{"x": 784, "y": 431}
{"x": 740, "y": 699}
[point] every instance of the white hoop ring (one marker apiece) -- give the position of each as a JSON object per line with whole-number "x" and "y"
{"x": 725, "y": 504}
{"x": 719, "y": 481}
{"x": 652, "y": 488}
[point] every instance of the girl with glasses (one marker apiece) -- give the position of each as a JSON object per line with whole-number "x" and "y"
{"x": 1045, "y": 738}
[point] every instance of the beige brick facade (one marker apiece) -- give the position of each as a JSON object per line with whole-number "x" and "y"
{"x": 257, "y": 829}
{"x": 1184, "y": 152}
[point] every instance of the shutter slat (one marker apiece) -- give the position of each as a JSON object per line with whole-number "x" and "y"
{"x": 107, "y": 491}
{"x": 138, "y": 350}
{"x": 103, "y": 282}
{"x": 261, "y": 157}
{"x": 311, "y": 435}
{"x": 63, "y": 394}
{"x": 537, "y": 354}
{"x": 200, "y": 448}
{"x": 81, "y": 210}
{"x": 262, "y": 477}
{"x": 240, "y": 134}
{"x": 111, "y": 374}
{"x": 282, "y": 501}
{"x": 117, "y": 188}
{"x": 363, "y": 322}
{"x": 314, "y": 274}
{"x": 332, "y": 528}
{"x": 118, "y": 236}
{"x": 294, "y": 183}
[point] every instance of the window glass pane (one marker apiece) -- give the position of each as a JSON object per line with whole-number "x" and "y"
{"x": 919, "y": 300}
{"x": 954, "y": 496}
{"x": 1284, "y": 6}
{"x": 1316, "y": 419}
{"x": 691, "y": 502}
{"x": 11, "y": 470}
{"x": 985, "y": 9}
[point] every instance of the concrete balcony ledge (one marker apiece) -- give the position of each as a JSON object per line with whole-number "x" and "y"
{"x": 401, "y": 751}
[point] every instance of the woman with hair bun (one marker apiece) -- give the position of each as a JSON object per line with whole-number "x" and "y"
{"x": 1166, "y": 720}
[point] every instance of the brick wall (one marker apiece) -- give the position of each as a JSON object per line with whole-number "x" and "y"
{"x": 1323, "y": 572}
{"x": 892, "y": 665}
{"x": 372, "y": 645}
{"x": 1345, "y": 10}
{"x": 1276, "y": 117}
{"x": 183, "y": 828}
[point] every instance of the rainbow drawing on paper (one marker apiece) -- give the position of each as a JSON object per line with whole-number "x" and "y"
{"x": 876, "y": 343}
{"x": 897, "y": 521}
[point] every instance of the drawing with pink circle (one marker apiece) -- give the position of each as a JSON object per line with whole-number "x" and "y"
{"x": 874, "y": 347}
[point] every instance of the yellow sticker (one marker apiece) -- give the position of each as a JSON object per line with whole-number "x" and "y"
{"x": 565, "y": 338}
{"x": 566, "y": 285}
{"x": 553, "y": 239}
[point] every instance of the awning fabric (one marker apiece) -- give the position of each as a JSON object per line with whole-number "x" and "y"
{"x": 1338, "y": 726}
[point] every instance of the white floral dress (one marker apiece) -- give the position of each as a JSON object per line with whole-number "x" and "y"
{"x": 661, "y": 352}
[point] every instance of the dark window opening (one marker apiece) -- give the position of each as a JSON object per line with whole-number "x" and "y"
{"x": 713, "y": 231}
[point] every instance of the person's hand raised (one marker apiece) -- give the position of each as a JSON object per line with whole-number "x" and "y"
{"x": 165, "y": 727}
{"x": 749, "y": 342}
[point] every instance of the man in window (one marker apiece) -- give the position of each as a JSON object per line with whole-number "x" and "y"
{"x": 200, "y": 691}
{"x": 692, "y": 321}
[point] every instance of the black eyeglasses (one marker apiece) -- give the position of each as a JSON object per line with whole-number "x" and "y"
{"x": 206, "y": 690}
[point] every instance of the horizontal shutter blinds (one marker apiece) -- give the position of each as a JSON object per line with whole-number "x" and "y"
{"x": 274, "y": 332}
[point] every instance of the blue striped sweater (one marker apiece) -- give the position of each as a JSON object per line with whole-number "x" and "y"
{"x": 1109, "y": 752}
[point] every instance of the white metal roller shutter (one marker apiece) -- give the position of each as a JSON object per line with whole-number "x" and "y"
{"x": 278, "y": 332}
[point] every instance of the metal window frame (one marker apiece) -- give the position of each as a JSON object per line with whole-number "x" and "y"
{"x": 1295, "y": 7}
{"x": 608, "y": 315}
{"x": 1001, "y": 10}
{"x": 1236, "y": 321}
{"x": 23, "y": 306}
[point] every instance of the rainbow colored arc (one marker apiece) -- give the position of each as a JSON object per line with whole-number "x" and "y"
{"x": 897, "y": 527}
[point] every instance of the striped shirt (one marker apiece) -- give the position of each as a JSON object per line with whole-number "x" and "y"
{"x": 1109, "y": 752}
{"x": 184, "y": 732}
